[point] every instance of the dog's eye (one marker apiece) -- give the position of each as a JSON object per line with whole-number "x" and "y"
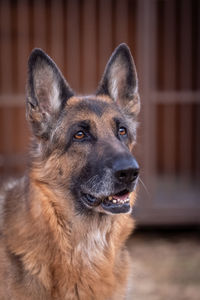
{"x": 122, "y": 131}
{"x": 79, "y": 135}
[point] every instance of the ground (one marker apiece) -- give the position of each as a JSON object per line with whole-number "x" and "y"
{"x": 165, "y": 264}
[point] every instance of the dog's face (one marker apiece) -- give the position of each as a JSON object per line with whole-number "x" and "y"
{"x": 83, "y": 145}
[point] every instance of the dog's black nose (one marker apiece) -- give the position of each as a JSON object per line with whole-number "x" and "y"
{"x": 126, "y": 170}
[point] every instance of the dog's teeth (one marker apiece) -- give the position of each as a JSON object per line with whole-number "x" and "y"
{"x": 117, "y": 200}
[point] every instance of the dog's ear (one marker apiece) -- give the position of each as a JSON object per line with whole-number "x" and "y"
{"x": 47, "y": 93}
{"x": 120, "y": 80}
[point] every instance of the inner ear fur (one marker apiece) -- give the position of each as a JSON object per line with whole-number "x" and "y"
{"x": 47, "y": 92}
{"x": 120, "y": 81}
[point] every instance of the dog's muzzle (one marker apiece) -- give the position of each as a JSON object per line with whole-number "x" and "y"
{"x": 112, "y": 192}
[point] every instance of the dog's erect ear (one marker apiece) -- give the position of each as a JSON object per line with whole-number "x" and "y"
{"x": 120, "y": 81}
{"x": 47, "y": 92}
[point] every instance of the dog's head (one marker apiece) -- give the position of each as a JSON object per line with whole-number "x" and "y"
{"x": 83, "y": 144}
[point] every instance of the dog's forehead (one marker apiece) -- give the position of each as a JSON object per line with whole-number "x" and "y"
{"x": 91, "y": 105}
{"x": 77, "y": 99}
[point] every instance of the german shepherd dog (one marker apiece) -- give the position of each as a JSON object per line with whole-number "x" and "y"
{"x": 64, "y": 224}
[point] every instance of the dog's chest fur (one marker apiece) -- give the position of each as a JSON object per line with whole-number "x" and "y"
{"x": 93, "y": 268}
{"x": 72, "y": 262}
{"x": 101, "y": 267}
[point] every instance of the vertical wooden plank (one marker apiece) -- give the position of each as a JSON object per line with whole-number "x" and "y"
{"x": 89, "y": 46}
{"x": 160, "y": 45}
{"x": 14, "y": 43}
{"x": 186, "y": 84}
{"x": 6, "y": 72}
{"x": 39, "y": 26}
{"x": 169, "y": 63}
{"x": 1, "y": 134}
{"x": 197, "y": 115}
{"x": 57, "y": 40}
{"x": 145, "y": 45}
{"x": 16, "y": 130}
{"x": 23, "y": 43}
{"x": 8, "y": 136}
{"x": 185, "y": 47}
{"x": 105, "y": 33}
{"x": 153, "y": 57}
{"x": 169, "y": 69}
{"x": 121, "y": 22}
{"x": 21, "y": 131}
{"x": 132, "y": 27}
{"x": 73, "y": 44}
{"x": 22, "y": 57}
{"x": 197, "y": 150}
{"x": 5, "y": 58}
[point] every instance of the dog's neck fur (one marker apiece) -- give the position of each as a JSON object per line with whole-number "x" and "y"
{"x": 69, "y": 245}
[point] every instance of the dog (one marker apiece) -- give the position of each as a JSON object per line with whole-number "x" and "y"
{"x": 65, "y": 222}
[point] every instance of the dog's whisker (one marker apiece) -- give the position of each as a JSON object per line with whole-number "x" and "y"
{"x": 144, "y": 186}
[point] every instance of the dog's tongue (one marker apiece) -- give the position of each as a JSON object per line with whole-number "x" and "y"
{"x": 121, "y": 197}
{"x": 118, "y": 199}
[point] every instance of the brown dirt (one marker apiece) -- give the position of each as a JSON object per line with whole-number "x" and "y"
{"x": 166, "y": 265}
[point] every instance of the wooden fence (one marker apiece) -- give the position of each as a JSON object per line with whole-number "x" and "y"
{"x": 164, "y": 37}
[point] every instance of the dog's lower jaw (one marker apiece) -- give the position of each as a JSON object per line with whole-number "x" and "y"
{"x": 120, "y": 203}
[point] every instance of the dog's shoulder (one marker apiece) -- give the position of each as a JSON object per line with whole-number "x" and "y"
{"x": 10, "y": 191}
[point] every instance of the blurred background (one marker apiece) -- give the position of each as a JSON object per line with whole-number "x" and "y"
{"x": 80, "y": 35}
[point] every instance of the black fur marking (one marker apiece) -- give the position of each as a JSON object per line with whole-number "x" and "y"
{"x": 60, "y": 172}
{"x": 119, "y": 122}
{"x": 76, "y": 291}
{"x": 97, "y": 107}
{"x": 18, "y": 266}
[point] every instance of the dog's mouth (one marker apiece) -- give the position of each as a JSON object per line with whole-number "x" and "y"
{"x": 115, "y": 204}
